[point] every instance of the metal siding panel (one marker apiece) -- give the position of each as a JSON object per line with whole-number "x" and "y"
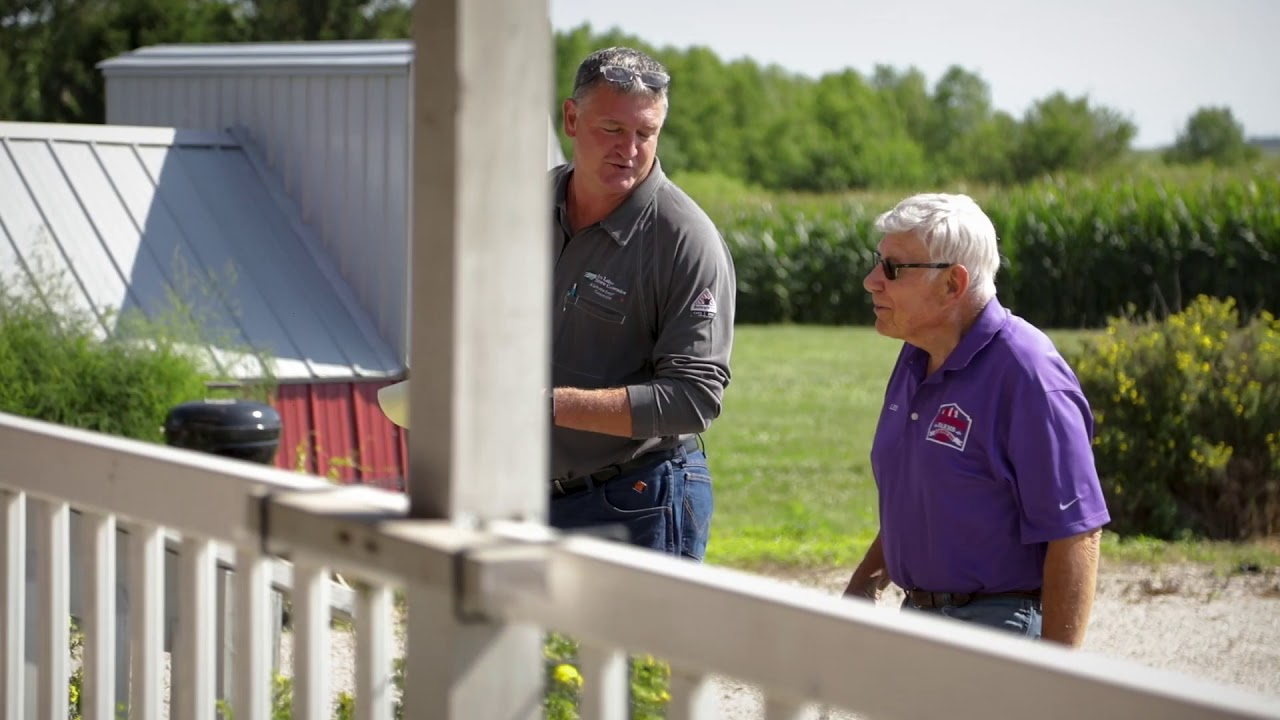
{"x": 165, "y": 265}
{"x": 30, "y": 247}
{"x": 283, "y": 131}
{"x": 297, "y": 447}
{"x": 335, "y": 147}
{"x": 394, "y": 324}
{"x": 362, "y": 262}
{"x": 337, "y": 311}
{"x": 334, "y": 431}
{"x": 214, "y": 226}
{"x": 297, "y": 122}
{"x": 227, "y": 102}
{"x": 68, "y": 226}
{"x": 295, "y": 297}
{"x": 144, "y": 221}
{"x": 260, "y": 121}
{"x": 377, "y": 437}
{"x": 313, "y": 182}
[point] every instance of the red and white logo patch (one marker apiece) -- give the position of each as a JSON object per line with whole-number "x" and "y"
{"x": 704, "y": 305}
{"x": 950, "y": 427}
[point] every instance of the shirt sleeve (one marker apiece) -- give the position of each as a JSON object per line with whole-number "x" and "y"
{"x": 1050, "y": 451}
{"x": 695, "y": 306}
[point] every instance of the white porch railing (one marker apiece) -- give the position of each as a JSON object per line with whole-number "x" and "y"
{"x": 478, "y": 590}
{"x": 798, "y": 645}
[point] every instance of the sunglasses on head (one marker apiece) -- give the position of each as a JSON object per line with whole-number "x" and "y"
{"x": 891, "y": 268}
{"x": 619, "y": 75}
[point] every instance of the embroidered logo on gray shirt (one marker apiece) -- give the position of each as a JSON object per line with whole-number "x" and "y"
{"x": 704, "y": 305}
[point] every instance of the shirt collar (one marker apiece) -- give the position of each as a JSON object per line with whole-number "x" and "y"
{"x": 990, "y": 321}
{"x": 624, "y": 217}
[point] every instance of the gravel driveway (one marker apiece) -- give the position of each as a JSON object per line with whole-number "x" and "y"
{"x": 1183, "y": 619}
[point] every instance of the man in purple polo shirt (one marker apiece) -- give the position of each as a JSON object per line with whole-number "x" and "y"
{"x": 990, "y": 506}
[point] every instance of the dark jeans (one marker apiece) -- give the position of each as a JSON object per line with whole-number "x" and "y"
{"x": 666, "y": 505}
{"x": 1020, "y": 616}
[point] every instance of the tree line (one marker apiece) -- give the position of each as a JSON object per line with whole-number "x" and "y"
{"x": 760, "y": 125}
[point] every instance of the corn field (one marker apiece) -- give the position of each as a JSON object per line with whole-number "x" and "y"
{"x": 1077, "y": 251}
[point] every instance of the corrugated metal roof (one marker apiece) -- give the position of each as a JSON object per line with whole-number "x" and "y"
{"x": 293, "y": 57}
{"x": 180, "y": 224}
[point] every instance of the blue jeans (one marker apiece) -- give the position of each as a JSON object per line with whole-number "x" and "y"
{"x": 665, "y": 505}
{"x": 1020, "y": 616}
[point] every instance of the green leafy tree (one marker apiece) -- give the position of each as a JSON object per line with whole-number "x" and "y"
{"x": 1059, "y": 133}
{"x": 1212, "y": 134}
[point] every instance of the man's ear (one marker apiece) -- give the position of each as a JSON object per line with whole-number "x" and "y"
{"x": 958, "y": 281}
{"x": 569, "y": 115}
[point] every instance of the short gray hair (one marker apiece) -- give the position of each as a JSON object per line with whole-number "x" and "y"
{"x": 590, "y": 75}
{"x": 955, "y": 230}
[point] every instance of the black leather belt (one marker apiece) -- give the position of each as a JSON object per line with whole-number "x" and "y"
{"x": 561, "y": 487}
{"x": 925, "y": 600}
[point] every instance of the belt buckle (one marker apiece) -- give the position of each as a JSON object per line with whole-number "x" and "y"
{"x": 558, "y": 484}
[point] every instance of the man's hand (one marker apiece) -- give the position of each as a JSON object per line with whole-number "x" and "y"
{"x": 871, "y": 577}
{"x": 863, "y": 589}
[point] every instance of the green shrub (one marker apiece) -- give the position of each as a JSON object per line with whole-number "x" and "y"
{"x": 1187, "y": 414}
{"x": 55, "y": 367}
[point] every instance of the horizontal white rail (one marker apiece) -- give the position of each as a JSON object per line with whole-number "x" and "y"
{"x": 800, "y": 646}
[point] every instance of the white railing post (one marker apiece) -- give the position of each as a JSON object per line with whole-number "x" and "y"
{"x": 99, "y": 622}
{"x": 310, "y": 642}
{"x": 54, "y": 649}
{"x": 146, "y": 621}
{"x": 606, "y": 689}
{"x": 480, "y": 273}
{"x": 693, "y": 696}
{"x": 194, "y": 654}
{"x": 255, "y": 635}
{"x": 374, "y": 640}
{"x": 13, "y": 621}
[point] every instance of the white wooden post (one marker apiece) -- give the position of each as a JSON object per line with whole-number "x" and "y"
{"x": 54, "y": 611}
{"x": 146, "y": 621}
{"x": 13, "y": 595}
{"x": 311, "y": 641}
{"x": 480, "y": 313}
{"x": 99, "y": 620}
{"x": 606, "y": 686}
{"x": 257, "y": 620}
{"x": 194, "y": 656}
{"x": 374, "y": 643}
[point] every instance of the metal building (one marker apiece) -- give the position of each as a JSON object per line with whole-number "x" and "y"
{"x": 332, "y": 119}
{"x": 190, "y": 226}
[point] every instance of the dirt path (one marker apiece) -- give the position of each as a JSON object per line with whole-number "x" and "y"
{"x": 1183, "y": 619}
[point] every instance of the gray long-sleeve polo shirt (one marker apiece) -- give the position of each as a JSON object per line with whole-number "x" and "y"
{"x": 644, "y": 299}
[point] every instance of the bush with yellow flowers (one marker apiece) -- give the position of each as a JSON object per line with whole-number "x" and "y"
{"x": 650, "y": 679}
{"x": 1187, "y": 422}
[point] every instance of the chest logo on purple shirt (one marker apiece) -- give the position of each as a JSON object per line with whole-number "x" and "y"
{"x": 950, "y": 427}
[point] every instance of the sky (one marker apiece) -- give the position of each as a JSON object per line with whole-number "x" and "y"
{"x": 1154, "y": 61}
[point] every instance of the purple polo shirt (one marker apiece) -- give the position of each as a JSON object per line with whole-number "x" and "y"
{"x": 983, "y": 462}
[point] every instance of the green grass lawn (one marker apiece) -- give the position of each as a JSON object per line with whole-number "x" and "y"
{"x": 790, "y": 460}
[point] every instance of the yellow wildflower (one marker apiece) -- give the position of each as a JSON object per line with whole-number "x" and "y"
{"x": 568, "y": 675}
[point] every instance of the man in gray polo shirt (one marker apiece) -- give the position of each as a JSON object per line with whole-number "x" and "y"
{"x": 643, "y": 319}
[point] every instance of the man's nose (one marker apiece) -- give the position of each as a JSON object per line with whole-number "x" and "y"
{"x": 630, "y": 145}
{"x": 873, "y": 280}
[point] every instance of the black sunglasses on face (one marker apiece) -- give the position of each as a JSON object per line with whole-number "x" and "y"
{"x": 619, "y": 75}
{"x": 891, "y": 268}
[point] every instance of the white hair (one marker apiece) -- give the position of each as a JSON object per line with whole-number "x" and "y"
{"x": 955, "y": 230}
